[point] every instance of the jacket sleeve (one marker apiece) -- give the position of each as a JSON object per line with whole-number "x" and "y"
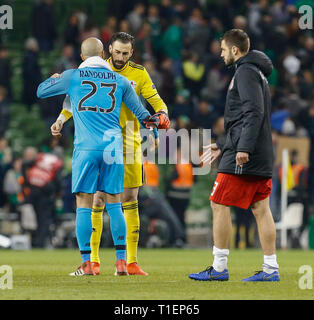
{"x": 220, "y": 142}
{"x": 251, "y": 95}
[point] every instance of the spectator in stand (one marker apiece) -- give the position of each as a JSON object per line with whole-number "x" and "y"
{"x": 135, "y": 17}
{"x": 196, "y": 33}
{"x": 182, "y": 106}
{"x": 167, "y": 12}
{"x": 155, "y": 75}
{"x": 4, "y": 110}
{"x": 67, "y": 60}
{"x": 124, "y": 26}
{"x": 213, "y": 56}
{"x": 107, "y": 31}
{"x": 182, "y": 9}
{"x": 216, "y": 27}
{"x": 179, "y": 186}
{"x": 223, "y": 11}
{"x": 143, "y": 42}
{"x": 72, "y": 31}
{"x": 218, "y": 128}
{"x": 42, "y": 177}
{"x": 154, "y": 20}
{"x": 56, "y": 148}
{"x": 255, "y": 13}
{"x": 291, "y": 63}
{"x": 48, "y": 109}
{"x": 168, "y": 87}
{"x": 90, "y": 30}
{"x": 154, "y": 205}
{"x": 306, "y": 52}
{"x": 12, "y": 185}
{"x": 31, "y": 71}
{"x": 205, "y": 115}
{"x": 216, "y": 77}
{"x": 82, "y": 19}
{"x": 279, "y": 116}
{"x": 5, "y": 163}
{"x": 306, "y": 117}
{"x": 306, "y": 84}
{"x": 279, "y": 12}
{"x": 172, "y": 46}
{"x": 5, "y": 71}
{"x": 44, "y": 24}
{"x": 182, "y": 122}
{"x": 69, "y": 202}
{"x": 193, "y": 73}
{"x": 215, "y": 84}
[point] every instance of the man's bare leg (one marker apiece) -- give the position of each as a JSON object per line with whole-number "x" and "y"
{"x": 267, "y": 233}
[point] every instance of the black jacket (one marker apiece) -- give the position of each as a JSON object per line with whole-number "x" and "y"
{"x": 247, "y": 117}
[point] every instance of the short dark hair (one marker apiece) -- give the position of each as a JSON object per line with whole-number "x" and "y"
{"x": 122, "y": 37}
{"x": 238, "y": 38}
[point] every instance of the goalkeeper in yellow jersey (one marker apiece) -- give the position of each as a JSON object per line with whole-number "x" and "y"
{"x": 121, "y": 50}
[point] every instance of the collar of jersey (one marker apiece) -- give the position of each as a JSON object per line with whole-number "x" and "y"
{"x": 95, "y": 62}
{"x": 113, "y": 68}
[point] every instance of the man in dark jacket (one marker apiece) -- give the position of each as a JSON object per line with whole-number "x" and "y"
{"x": 31, "y": 71}
{"x": 245, "y": 169}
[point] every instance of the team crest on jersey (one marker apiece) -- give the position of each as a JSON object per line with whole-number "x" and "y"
{"x": 133, "y": 84}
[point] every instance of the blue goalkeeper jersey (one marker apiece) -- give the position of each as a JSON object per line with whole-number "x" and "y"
{"x": 96, "y": 95}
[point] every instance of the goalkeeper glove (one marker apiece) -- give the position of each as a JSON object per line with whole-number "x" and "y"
{"x": 164, "y": 122}
{"x": 151, "y": 122}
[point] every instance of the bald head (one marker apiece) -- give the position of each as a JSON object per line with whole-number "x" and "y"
{"x": 92, "y": 47}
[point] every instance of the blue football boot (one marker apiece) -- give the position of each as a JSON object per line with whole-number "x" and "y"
{"x": 210, "y": 274}
{"x": 263, "y": 276}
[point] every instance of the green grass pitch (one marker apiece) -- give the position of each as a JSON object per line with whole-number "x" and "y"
{"x": 43, "y": 274}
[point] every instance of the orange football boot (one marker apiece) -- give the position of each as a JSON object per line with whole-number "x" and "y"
{"x": 121, "y": 269}
{"x": 96, "y": 268}
{"x": 135, "y": 269}
{"x": 84, "y": 270}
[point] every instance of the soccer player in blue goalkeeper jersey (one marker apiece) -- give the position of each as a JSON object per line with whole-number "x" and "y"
{"x": 96, "y": 94}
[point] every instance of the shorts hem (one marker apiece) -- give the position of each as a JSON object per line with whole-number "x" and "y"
{"x": 229, "y": 204}
{"x": 261, "y": 198}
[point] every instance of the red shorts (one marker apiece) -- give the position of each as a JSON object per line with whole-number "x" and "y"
{"x": 240, "y": 190}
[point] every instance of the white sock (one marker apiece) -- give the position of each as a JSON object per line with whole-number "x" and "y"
{"x": 220, "y": 259}
{"x": 270, "y": 263}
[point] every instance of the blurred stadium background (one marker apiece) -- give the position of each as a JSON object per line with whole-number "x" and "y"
{"x": 178, "y": 43}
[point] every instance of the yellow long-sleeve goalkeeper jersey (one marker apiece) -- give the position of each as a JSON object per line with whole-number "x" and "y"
{"x": 143, "y": 85}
